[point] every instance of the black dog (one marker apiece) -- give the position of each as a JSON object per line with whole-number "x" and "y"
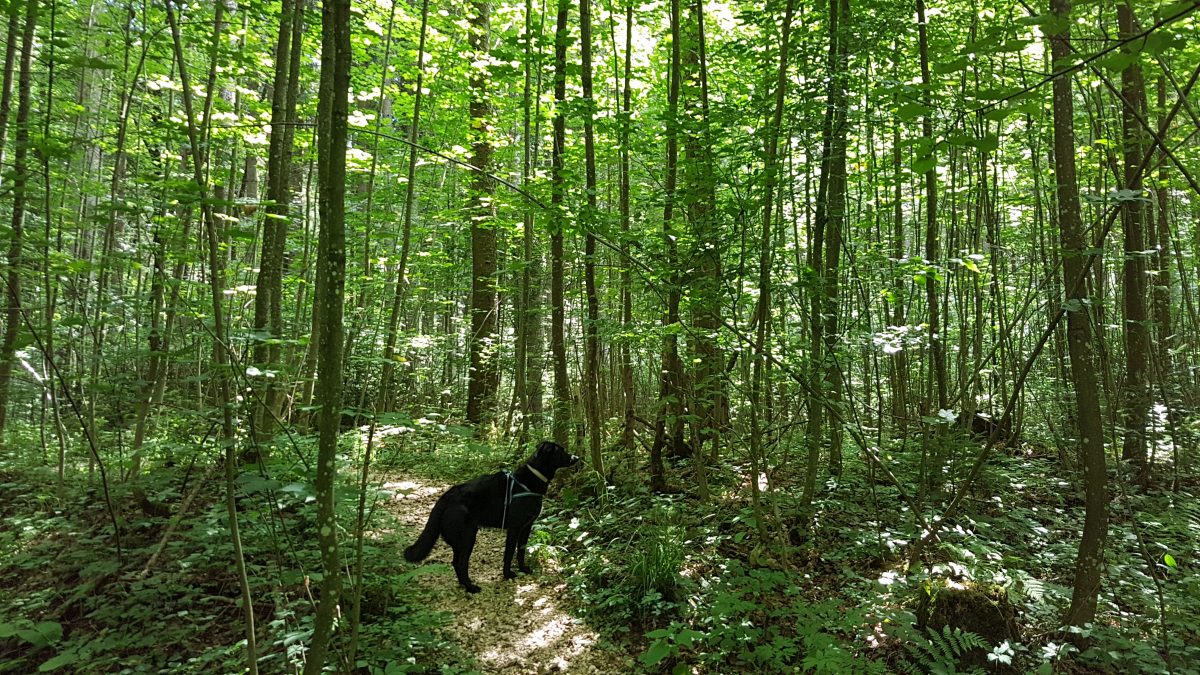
{"x": 509, "y": 501}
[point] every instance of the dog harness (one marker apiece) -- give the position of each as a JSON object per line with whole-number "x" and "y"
{"x": 512, "y": 493}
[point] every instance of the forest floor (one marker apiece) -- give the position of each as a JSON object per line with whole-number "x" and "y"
{"x": 521, "y": 626}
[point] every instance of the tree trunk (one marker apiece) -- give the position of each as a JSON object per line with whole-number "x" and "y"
{"x": 762, "y": 310}
{"x": 558, "y": 345}
{"x": 628, "y": 392}
{"x": 708, "y": 404}
{"x": 591, "y": 339}
{"x": 268, "y": 315}
{"x": 13, "y": 315}
{"x": 483, "y": 379}
{"x": 670, "y": 402}
{"x": 1135, "y": 404}
{"x": 331, "y": 280}
{"x": 1089, "y": 564}
{"x": 932, "y": 238}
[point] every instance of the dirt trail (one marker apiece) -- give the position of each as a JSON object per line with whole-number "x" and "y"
{"x": 519, "y": 626}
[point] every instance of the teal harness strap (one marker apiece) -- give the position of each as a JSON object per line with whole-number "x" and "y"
{"x": 511, "y": 494}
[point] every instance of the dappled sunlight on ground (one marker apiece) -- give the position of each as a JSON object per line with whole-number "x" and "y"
{"x": 519, "y": 626}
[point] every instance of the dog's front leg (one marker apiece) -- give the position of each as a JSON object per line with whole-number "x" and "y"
{"x": 522, "y": 545}
{"x": 510, "y": 547}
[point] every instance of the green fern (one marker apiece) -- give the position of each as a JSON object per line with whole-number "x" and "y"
{"x": 939, "y": 653}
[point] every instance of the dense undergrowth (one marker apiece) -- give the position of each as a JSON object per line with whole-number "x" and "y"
{"x": 73, "y": 602}
{"x": 691, "y": 585}
{"x": 688, "y": 586}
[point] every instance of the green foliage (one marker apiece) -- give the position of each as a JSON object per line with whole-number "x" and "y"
{"x": 939, "y": 652}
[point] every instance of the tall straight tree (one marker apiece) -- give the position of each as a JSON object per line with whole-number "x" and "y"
{"x": 670, "y": 391}
{"x": 12, "y": 316}
{"x": 937, "y": 350}
{"x": 558, "y": 343}
{"x": 591, "y": 327}
{"x": 527, "y": 380}
{"x": 268, "y": 298}
{"x": 484, "y": 377}
{"x": 629, "y": 393}
{"x": 1135, "y": 405}
{"x": 824, "y": 254}
{"x": 700, "y": 199}
{"x": 332, "y": 122}
{"x": 410, "y": 199}
{"x": 13, "y": 10}
{"x": 762, "y": 310}
{"x": 1089, "y": 563}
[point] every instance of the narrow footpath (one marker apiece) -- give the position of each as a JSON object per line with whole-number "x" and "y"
{"x": 519, "y": 626}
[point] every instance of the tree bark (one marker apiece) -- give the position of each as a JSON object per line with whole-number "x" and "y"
{"x": 558, "y": 345}
{"x": 932, "y": 237}
{"x": 268, "y": 314}
{"x": 670, "y": 401}
{"x": 12, "y": 317}
{"x": 332, "y": 123}
{"x": 1135, "y": 404}
{"x": 1089, "y": 564}
{"x": 591, "y": 335}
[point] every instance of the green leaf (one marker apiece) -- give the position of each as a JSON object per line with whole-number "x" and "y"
{"x": 924, "y": 164}
{"x": 42, "y": 635}
{"x": 1169, "y": 560}
{"x": 59, "y": 661}
{"x": 911, "y": 111}
{"x": 1117, "y": 62}
{"x": 656, "y": 653}
{"x": 687, "y": 636}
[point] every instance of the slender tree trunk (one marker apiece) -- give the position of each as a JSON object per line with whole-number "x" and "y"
{"x": 707, "y": 377}
{"x": 1135, "y": 405}
{"x": 332, "y": 115}
{"x": 932, "y": 237}
{"x": 762, "y": 310}
{"x": 591, "y": 335}
{"x": 558, "y": 345}
{"x": 12, "y": 318}
{"x": 483, "y": 379}
{"x": 670, "y": 402}
{"x": 410, "y": 198}
{"x": 628, "y": 391}
{"x": 268, "y": 315}
{"x": 1089, "y": 564}
{"x": 10, "y": 56}
{"x": 528, "y": 380}
{"x": 835, "y": 218}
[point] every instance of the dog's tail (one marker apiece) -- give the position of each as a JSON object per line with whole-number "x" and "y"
{"x": 433, "y": 527}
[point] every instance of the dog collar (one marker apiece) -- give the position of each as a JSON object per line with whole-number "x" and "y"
{"x": 538, "y": 474}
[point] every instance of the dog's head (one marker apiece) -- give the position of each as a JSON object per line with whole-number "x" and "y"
{"x": 551, "y": 455}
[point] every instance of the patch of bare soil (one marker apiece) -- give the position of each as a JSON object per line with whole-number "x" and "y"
{"x": 518, "y": 626}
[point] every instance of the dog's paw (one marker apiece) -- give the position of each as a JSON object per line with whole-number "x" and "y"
{"x": 472, "y": 588}
{"x": 509, "y": 574}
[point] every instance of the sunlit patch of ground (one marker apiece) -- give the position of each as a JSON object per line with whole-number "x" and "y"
{"x": 520, "y": 626}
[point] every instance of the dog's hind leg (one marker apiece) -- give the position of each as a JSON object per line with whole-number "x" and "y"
{"x": 460, "y": 531}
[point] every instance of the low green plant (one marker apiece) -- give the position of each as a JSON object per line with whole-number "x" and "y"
{"x": 940, "y": 652}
